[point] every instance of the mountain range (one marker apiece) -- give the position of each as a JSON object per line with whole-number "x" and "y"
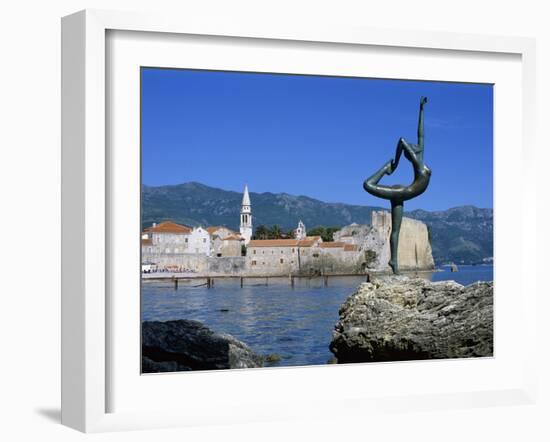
{"x": 461, "y": 234}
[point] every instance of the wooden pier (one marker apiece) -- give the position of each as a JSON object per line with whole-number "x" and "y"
{"x": 209, "y": 281}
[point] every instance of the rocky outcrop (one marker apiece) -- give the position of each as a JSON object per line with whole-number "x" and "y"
{"x": 398, "y": 318}
{"x": 189, "y": 345}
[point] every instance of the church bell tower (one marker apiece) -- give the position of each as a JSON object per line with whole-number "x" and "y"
{"x": 246, "y": 217}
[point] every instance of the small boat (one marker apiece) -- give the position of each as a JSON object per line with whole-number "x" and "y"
{"x": 454, "y": 267}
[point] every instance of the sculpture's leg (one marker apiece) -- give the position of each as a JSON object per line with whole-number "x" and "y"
{"x": 396, "y": 217}
{"x": 371, "y": 183}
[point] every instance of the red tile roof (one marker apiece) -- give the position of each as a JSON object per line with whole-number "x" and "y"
{"x": 169, "y": 227}
{"x": 232, "y": 238}
{"x": 146, "y": 242}
{"x": 351, "y": 248}
{"x": 313, "y": 238}
{"x": 273, "y": 243}
{"x": 281, "y": 243}
{"x": 332, "y": 245}
{"x": 212, "y": 229}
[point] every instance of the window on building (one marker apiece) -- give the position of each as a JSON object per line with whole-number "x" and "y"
{"x": 204, "y": 240}
{"x": 282, "y": 260}
{"x": 316, "y": 255}
{"x": 292, "y": 250}
{"x": 253, "y": 263}
{"x": 254, "y": 252}
{"x": 186, "y": 239}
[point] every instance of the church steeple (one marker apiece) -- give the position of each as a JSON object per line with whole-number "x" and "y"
{"x": 301, "y": 231}
{"x": 246, "y": 217}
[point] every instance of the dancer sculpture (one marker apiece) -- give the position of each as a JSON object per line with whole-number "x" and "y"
{"x": 398, "y": 194}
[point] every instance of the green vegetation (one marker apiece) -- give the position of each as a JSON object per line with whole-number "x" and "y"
{"x": 273, "y": 232}
{"x": 324, "y": 232}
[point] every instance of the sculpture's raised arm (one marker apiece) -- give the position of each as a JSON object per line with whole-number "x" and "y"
{"x": 423, "y": 101}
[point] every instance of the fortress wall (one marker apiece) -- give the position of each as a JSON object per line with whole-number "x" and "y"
{"x": 414, "y": 251}
{"x": 193, "y": 261}
{"x": 201, "y": 264}
{"x": 267, "y": 260}
{"x": 226, "y": 266}
{"x": 334, "y": 261}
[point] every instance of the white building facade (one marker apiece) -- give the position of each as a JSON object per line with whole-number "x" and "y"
{"x": 200, "y": 242}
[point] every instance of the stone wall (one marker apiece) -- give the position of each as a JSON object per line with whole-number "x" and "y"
{"x": 414, "y": 251}
{"x": 278, "y": 261}
{"x": 230, "y": 248}
{"x": 352, "y": 234}
{"x": 227, "y": 266}
{"x": 200, "y": 263}
{"x": 191, "y": 261}
{"x": 334, "y": 261}
{"x": 273, "y": 260}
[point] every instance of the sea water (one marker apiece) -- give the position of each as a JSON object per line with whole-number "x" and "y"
{"x": 294, "y": 323}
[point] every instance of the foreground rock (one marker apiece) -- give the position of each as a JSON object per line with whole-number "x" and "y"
{"x": 189, "y": 345}
{"x": 399, "y": 318}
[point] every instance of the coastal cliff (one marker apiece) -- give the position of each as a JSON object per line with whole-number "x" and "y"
{"x": 399, "y": 318}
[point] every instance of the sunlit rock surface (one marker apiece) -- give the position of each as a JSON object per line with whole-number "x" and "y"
{"x": 399, "y": 318}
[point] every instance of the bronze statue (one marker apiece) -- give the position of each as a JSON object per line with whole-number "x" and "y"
{"x": 398, "y": 194}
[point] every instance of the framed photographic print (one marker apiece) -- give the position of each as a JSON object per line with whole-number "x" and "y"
{"x": 250, "y": 213}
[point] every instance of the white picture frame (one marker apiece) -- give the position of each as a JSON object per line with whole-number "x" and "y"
{"x": 86, "y": 315}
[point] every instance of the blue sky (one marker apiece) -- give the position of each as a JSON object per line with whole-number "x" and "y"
{"x": 314, "y": 136}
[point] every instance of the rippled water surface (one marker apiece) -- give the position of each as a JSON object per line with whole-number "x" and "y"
{"x": 293, "y": 322}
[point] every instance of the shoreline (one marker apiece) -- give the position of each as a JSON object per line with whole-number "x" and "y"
{"x": 171, "y": 276}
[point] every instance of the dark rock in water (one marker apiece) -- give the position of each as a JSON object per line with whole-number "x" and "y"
{"x": 274, "y": 357}
{"x": 150, "y": 366}
{"x": 189, "y": 345}
{"x": 399, "y": 318}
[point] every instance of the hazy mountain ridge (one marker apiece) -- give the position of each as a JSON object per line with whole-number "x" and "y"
{"x": 461, "y": 234}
